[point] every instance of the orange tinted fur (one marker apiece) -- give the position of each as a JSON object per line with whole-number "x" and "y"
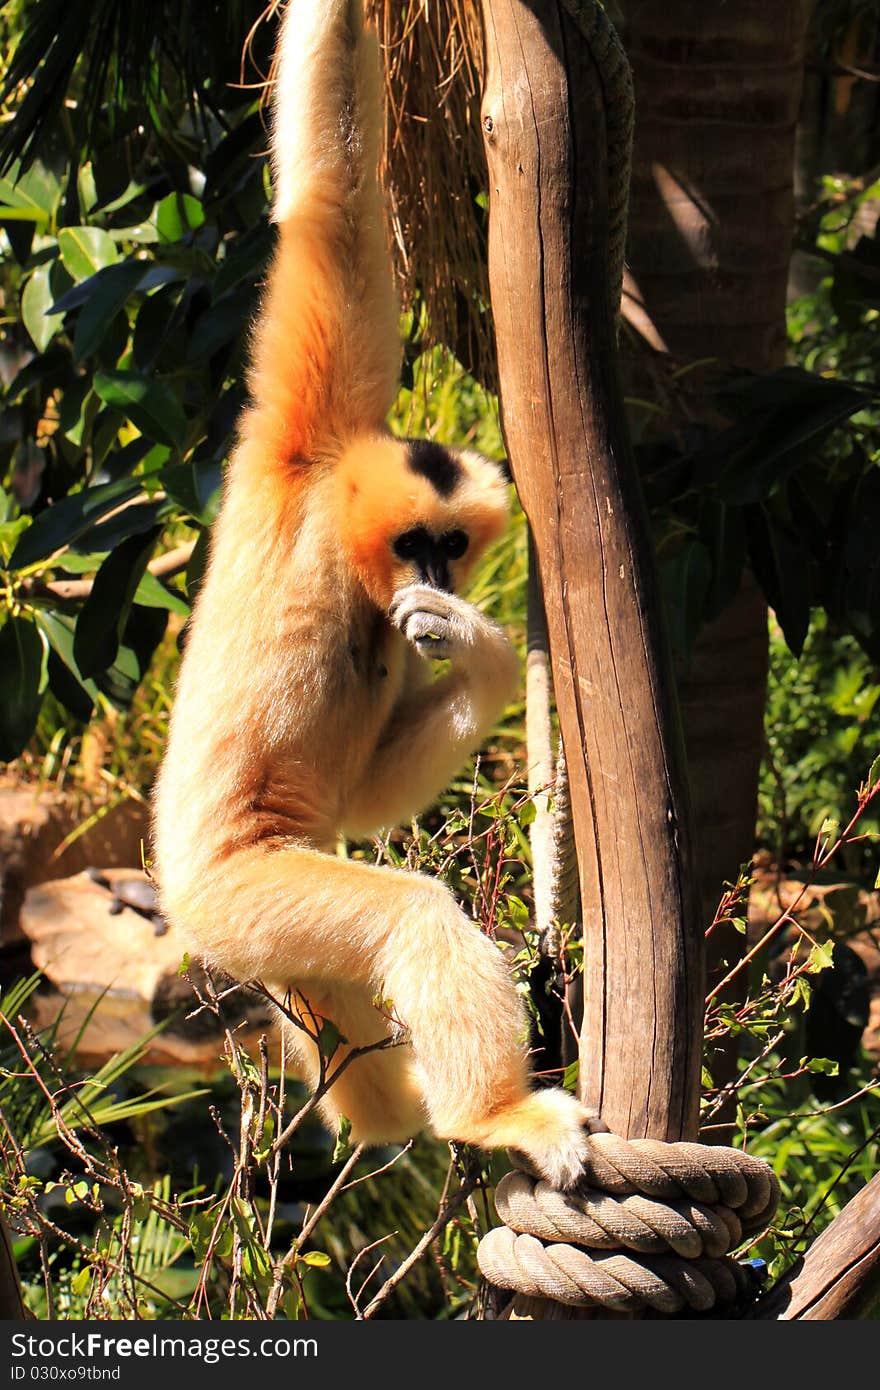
{"x": 307, "y": 705}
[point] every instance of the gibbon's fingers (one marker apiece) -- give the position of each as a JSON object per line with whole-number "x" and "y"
{"x": 439, "y": 623}
{"x": 429, "y": 599}
{"x": 436, "y": 637}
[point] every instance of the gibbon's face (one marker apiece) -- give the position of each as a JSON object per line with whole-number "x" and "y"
{"x": 414, "y": 512}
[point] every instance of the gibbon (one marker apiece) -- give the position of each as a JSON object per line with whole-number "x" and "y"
{"x": 305, "y": 707}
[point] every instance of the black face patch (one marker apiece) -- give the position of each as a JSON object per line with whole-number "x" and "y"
{"x": 435, "y": 463}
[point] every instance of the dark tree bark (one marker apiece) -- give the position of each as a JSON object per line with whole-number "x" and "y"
{"x": 718, "y": 89}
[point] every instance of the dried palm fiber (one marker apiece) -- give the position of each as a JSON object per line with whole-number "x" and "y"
{"x": 433, "y": 169}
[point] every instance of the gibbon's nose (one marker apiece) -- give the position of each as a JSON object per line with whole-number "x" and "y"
{"x": 435, "y": 571}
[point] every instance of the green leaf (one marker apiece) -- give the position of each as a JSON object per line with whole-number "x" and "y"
{"x": 685, "y": 578}
{"x": 75, "y": 692}
{"x": 196, "y": 486}
{"x": 143, "y": 632}
{"x": 342, "y": 1147}
{"x": 160, "y": 320}
{"x": 112, "y": 287}
{"x": 61, "y": 524}
{"x": 722, "y": 530}
{"x": 32, "y": 196}
{"x": 821, "y": 958}
{"x": 141, "y": 1207}
{"x": 177, "y": 215}
{"x": 10, "y": 533}
{"x": 570, "y": 1077}
{"x": 85, "y": 250}
{"x": 198, "y": 563}
{"x": 781, "y": 568}
{"x": 247, "y": 262}
{"x": 142, "y": 234}
{"x": 784, "y": 416}
{"x": 821, "y": 1064}
{"x": 36, "y": 299}
{"x": 149, "y": 404}
{"x": 21, "y": 679}
{"x": 104, "y": 614}
{"x": 329, "y": 1039}
{"x": 316, "y": 1259}
{"x": 874, "y": 774}
{"x": 154, "y": 594}
{"x": 222, "y": 324}
{"x": 80, "y": 1282}
{"x": 802, "y": 993}
{"x": 68, "y": 691}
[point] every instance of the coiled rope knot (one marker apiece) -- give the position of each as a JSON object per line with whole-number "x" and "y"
{"x": 677, "y": 1209}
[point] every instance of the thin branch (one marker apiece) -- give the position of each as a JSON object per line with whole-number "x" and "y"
{"x": 444, "y": 1216}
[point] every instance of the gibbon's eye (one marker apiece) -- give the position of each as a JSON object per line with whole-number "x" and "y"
{"x": 454, "y": 544}
{"x": 410, "y": 544}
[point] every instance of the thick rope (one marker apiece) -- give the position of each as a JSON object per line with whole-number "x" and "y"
{"x": 677, "y": 1210}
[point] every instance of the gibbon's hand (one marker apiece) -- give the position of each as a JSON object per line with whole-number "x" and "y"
{"x": 440, "y": 625}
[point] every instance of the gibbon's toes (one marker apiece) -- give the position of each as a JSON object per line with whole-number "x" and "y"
{"x": 554, "y": 1135}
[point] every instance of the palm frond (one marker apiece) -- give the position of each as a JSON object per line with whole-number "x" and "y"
{"x": 110, "y": 58}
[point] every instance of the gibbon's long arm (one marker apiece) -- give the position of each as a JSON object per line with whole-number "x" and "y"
{"x": 435, "y": 725}
{"x": 326, "y": 349}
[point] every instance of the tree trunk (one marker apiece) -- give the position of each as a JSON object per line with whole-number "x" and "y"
{"x": 564, "y": 426}
{"x": 711, "y": 215}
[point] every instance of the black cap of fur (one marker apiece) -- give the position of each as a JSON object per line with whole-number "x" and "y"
{"x": 435, "y": 463}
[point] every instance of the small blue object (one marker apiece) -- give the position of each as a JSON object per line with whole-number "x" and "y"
{"x": 757, "y": 1269}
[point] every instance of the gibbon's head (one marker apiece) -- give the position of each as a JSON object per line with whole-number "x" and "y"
{"x": 413, "y": 511}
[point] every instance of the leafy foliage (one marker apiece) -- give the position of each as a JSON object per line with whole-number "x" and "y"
{"x": 135, "y": 272}
{"x": 823, "y": 731}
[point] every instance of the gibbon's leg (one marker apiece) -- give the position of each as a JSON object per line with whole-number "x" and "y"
{"x": 434, "y": 728}
{"x": 306, "y": 918}
{"x": 379, "y": 1092}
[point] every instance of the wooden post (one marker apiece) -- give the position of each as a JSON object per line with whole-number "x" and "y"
{"x": 544, "y": 130}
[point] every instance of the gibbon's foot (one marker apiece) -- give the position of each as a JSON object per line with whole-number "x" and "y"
{"x": 437, "y": 623}
{"x": 551, "y": 1128}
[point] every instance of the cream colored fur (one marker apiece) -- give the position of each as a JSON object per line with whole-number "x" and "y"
{"x": 306, "y": 705}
